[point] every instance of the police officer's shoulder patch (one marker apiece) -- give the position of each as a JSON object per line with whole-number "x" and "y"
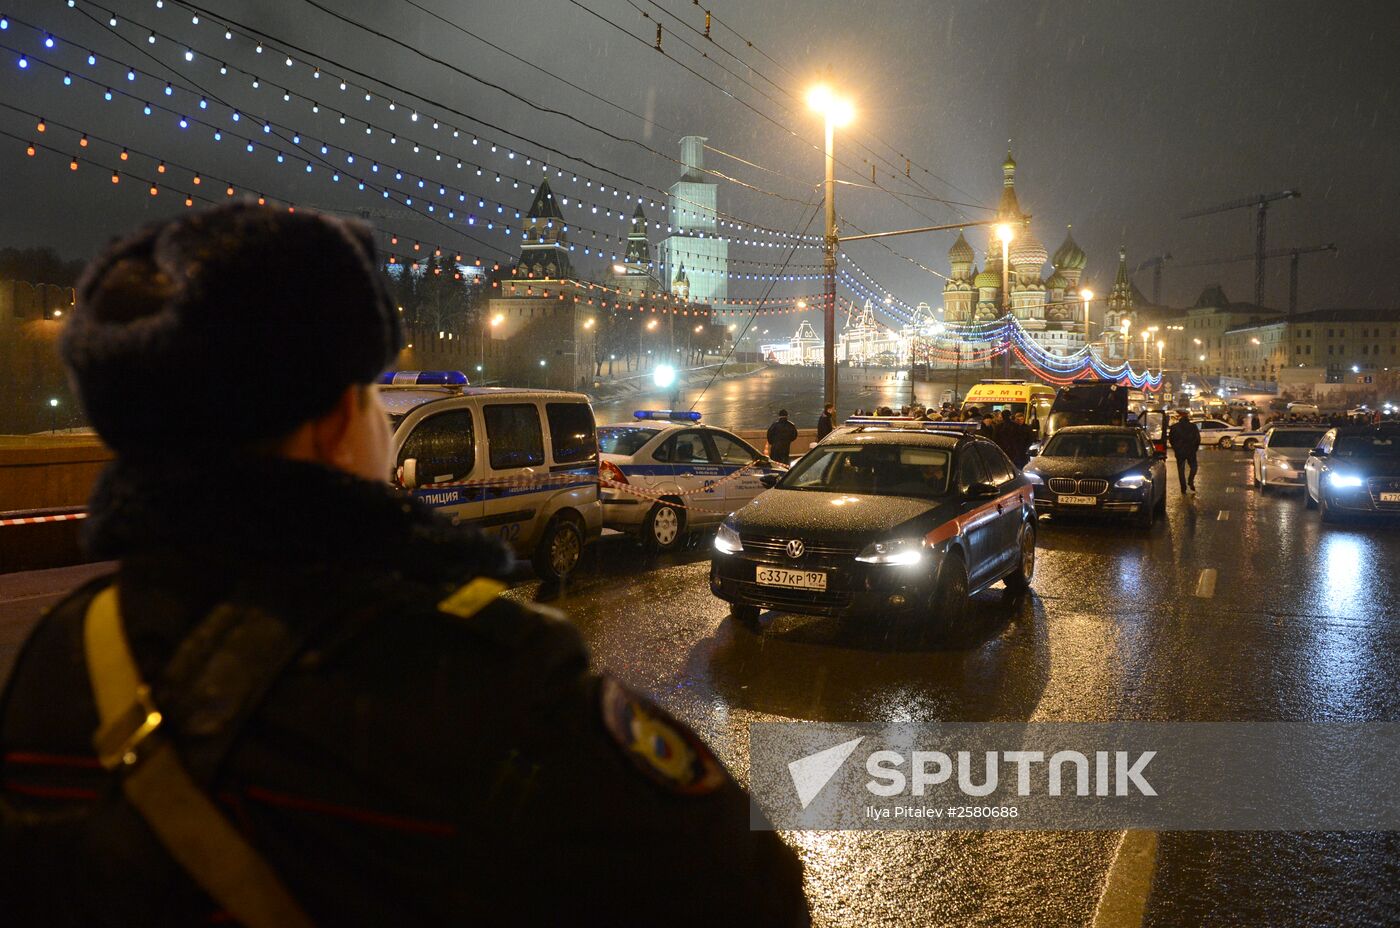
{"x": 664, "y": 749}
{"x": 472, "y": 598}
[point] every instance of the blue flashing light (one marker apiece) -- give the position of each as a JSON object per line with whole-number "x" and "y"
{"x": 668, "y": 415}
{"x": 423, "y": 378}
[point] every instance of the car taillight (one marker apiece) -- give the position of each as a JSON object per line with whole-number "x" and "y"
{"x": 610, "y": 474}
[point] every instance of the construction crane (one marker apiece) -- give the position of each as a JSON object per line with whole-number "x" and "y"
{"x": 1260, "y": 202}
{"x": 1156, "y": 265}
{"x": 1292, "y": 254}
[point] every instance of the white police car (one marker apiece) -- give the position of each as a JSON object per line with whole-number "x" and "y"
{"x": 521, "y": 464}
{"x": 665, "y": 473}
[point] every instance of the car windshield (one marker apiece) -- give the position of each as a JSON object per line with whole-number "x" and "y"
{"x": 1368, "y": 446}
{"x": 627, "y": 440}
{"x": 1295, "y": 439}
{"x": 878, "y": 470}
{"x": 1063, "y": 419}
{"x": 1094, "y": 445}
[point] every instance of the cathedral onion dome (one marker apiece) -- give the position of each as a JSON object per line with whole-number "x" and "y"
{"x": 1027, "y": 252}
{"x": 1069, "y": 256}
{"x": 961, "y": 252}
{"x": 987, "y": 279}
{"x": 1057, "y": 281}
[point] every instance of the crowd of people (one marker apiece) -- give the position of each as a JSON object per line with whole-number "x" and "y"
{"x": 1011, "y": 432}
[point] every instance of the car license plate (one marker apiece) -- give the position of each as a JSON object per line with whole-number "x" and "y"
{"x": 792, "y": 579}
{"x": 1390, "y": 497}
{"x": 1078, "y": 500}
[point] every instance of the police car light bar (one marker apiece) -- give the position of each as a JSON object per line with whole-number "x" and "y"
{"x": 423, "y": 378}
{"x": 668, "y": 415}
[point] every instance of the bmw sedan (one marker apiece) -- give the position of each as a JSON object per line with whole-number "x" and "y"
{"x": 1100, "y": 470}
{"x": 1353, "y": 470}
{"x": 879, "y": 521}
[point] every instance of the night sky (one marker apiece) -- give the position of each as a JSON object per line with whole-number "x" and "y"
{"x": 1122, "y": 116}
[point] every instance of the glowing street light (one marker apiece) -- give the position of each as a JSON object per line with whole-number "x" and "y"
{"x": 1086, "y": 294}
{"x": 1005, "y": 233}
{"x": 836, "y": 111}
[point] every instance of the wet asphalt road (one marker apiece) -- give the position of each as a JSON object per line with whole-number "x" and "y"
{"x": 1303, "y": 625}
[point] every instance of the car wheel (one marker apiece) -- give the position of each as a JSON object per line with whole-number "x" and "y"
{"x": 949, "y": 601}
{"x": 1329, "y": 514}
{"x": 664, "y": 529}
{"x": 1019, "y": 580}
{"x": 1308, "y": 501}
{"x": 1226, "y": 442}
{"x": 1145, "y": 516}
{"x": 559, "y": 551}
{"x": 1250, "y": 444}
{"x": 744, "y": 615}
{"x": 1162, "y": 503}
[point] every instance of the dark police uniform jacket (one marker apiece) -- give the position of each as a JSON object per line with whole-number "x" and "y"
{"x": 1185, "y": 438}
{"x": 418, "y": 763}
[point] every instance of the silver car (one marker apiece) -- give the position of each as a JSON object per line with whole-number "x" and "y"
{"x": 1279, "y": 460}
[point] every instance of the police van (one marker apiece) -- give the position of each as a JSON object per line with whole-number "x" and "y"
{"x": 664, "y": 473}
{"x": 519, "y": 464}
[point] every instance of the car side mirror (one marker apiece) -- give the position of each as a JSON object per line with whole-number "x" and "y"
{"x": 1317, "y": 453}
{"x": 1033, "y": 450}
{"x": 408, "y": 474}
{"x": 982, "y": 491}
{"x": 769, "y": 481}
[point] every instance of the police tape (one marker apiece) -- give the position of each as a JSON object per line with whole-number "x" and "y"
{"x": 36, "y": 520}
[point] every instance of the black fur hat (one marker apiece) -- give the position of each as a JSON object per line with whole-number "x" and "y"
{"x": 227, "y": 327}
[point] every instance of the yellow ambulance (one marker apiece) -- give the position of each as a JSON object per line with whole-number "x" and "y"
{"x": 1033, "y": 399}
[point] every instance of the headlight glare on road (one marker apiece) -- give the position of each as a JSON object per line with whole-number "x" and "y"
{"x": 1131, "y": 482}
{"x": 1344, "y": 481}
{"x": 727, "y": 540}
{"x": 901, "y": 552}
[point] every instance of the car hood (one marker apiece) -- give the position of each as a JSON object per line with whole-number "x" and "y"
{"x": 1085, "y": 467}
{"x": 834, "y": 517}
{"x": 1365, "y": 467}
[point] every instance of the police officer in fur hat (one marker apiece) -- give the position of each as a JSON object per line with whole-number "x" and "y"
{"x": 300, "y": 699}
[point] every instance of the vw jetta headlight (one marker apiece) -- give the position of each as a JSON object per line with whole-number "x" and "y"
{"x": 1344, "y": 481}
{"x": 900, "y": 552}
{"x": 1131, "y": 482}
{"x": 727, "y": 540}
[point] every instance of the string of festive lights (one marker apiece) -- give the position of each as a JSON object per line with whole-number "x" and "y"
{"x": 350, "y": 156}
{"x": 293, "y": 57}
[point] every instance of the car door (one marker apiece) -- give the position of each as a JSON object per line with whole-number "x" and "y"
{"x": 517, "y": 475}
{"x": 443, "y": 449}
{"x": 738, "y": 461}
{"x": 1312, "y": 470}
{"x": 1001, "y": 473}
{"x": 1210, "y": 432}
{"x": 693, "y": 468}
{"x": 977, "y": 519}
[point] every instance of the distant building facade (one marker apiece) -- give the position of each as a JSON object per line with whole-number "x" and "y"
{"x": 694, "y": 244}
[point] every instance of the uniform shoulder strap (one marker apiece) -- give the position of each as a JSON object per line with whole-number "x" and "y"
{"x": 130, "y": 742}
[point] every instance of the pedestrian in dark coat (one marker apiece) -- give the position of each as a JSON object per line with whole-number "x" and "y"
{"x": 824, "y": 421}
{"x": 419, "y": 750}
{"x": 781, "y": 434}
{"x": 1185, "y": 439}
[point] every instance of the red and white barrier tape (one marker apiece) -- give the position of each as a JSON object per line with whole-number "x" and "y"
{"x": 36, "y": 520}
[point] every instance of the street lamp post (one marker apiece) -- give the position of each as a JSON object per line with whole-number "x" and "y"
{"x": 53, "y": 415}
{"x": 1127, "y": 343}
{"x": 486, "y": 334}
{"x": 1086, "y": 295}
{"x": 836, "y": 111}
{"x": 1006, "y": 233}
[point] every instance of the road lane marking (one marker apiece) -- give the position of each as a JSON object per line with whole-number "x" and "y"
{"x": 1126, "y": 886}
{"x": 1224, "y": 516}
{"x": 1205, "y": 585}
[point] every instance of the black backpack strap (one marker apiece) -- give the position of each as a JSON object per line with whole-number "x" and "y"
{"x": 218, "y": 677}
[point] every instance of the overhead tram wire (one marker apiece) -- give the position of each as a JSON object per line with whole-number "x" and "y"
{"x": 309, "y": 57}
{"x": 895, "y": 174}
{"x": 510, "y": 93}
{"x": 733, "y": 96}
{"x": 595, "y": 96}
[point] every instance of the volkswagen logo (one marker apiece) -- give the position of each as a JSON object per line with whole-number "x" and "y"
{"x": 795, "y": 548}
